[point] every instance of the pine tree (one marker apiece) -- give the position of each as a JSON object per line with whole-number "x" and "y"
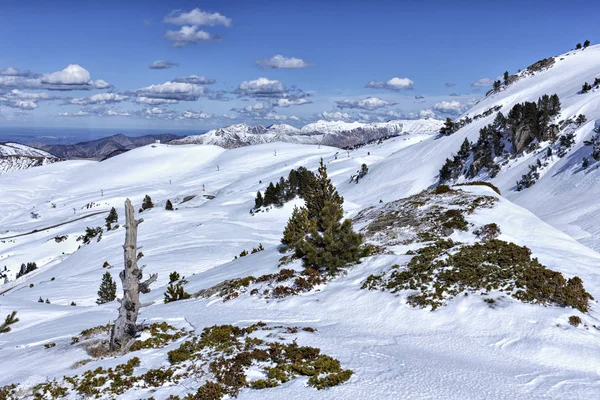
{"x": 174, "y": 277}
{"x": 586, "y": 44}
{"x": 364, "y": 170}
{"x": 320, "y": 192}
{"x": 169, "y": 205}
{"x": 9, "y": 320}
{"x": 176, "y": 292}
{"x": 270, "y": 195}
{"x": 448, "y": 128}
{"x": 581, "y": 119}
{"x": 296, "y": 229}
{"x": 554, "y": 105}
{"x": 333, "y": 244}
{"x": 258, "y": 202}
{"x": 585, "y": 163}
{"x": 497, "y": 85}
{"x": 147, "y": 203}
{"x": 586, "y": 87}
{"x": 111, "y": 218}
{"x": 505, "y": 77}
{"x": 108, "y": 289}
{"x": 578, "y": 46}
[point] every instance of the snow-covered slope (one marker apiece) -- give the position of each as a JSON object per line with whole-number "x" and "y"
{"x": 514, "y": 350}
{"x": 15, "y": 156}
{"x": 328, "y": 133}
{"x": 565, "y": 194}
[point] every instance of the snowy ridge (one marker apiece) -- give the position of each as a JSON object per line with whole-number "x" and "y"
{"x": 328, "y": 133}
{"x": 15, "y": 157}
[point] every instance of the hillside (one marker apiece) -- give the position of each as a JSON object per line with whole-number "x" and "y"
{"x": 327, "y": 133}
{"x": 15, "y": 157}
{"x": 106, "y": 147}
{"x": 518, "y": 349}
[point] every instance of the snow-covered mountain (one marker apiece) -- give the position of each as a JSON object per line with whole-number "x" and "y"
{"x": 15, "y": 156}
{"x": 328, "y": 133}
{"x": 493, "y": 342}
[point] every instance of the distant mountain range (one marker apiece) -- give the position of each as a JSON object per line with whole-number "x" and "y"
{"x": 15, "y": 156}
{"x": 101, "y": 149}
{"x": 328, "y": 133}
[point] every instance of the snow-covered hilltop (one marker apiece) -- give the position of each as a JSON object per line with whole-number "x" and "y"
{"x": 328, "y": 133}
{"x": 15, "y": 156}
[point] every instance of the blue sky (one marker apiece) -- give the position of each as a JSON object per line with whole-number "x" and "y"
{"x": 74, "y": 63}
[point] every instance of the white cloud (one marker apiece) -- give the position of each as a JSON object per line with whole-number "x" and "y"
{"x": 370, "y": 103}
{"x": 24, "y": 104}
{"x": 100, "y": 98}
{"x": 196, "y": 80}
{"x": 392, "y": 84}
{"x": 262, "y": 87}
{"x": 292, "y": 102}
{"x": 483, "y": 82}
{"x": 335, "y": 115}
{"x": 75, "y": 114}
{"x": 152, "y": 101}
{"x": 255, "y": 107}
{"x": 195, "y": 115}
{"x": 280, "y": 62}
{"x": 163, "y": 64}
{"x": 448, "y": 107}
{"x": 196, "y": 17}
{"x": 10, "y": 71}
{"x": 426, "y": 113}
{"x": 187, "y": 35}
{"x": 73, "y": 77}
{"x": 35, "y": 96}
{"x": 171, "y": 91}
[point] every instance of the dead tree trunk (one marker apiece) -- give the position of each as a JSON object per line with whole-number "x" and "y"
{"x": 125, "y": 329}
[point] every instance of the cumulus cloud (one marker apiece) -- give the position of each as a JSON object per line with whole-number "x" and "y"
{"x": 292, "y": 102}
{"x": 35, "y": 96}
{"x": 163, "y": 64}
{"x": 280, "y": 62}
{"x": 171, "y": 91}
{"x": 262, "y": 87}
{"x": 24, "y": 100}
{"x": 448, "y": 107}
{"x": 196, "y": 17}
{"x": 370, "y": 103}
{"x": 188, "y": 35}
{"x": 426, "y": 113}
{"x": 483, "y": 82}
{"x": 73, "y": 77}
{"x": 392, "y": 84}
{"x": 196, "y": 80}
{"x": 100, "y": 98}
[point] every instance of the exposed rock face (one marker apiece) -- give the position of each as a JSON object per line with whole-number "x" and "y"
{"x": 522, "y": 136}
{"x": 15, "y": 156}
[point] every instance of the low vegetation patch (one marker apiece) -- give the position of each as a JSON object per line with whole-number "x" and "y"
{"x": 430, "y": 215}
{"x": 215, "y": 364}
{"x": 444, "y": 269}
{"x": 285, "y": 282}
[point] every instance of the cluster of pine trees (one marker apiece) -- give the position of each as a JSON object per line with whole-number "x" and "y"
{"x": 524, "y": 123}
{"x": 316, "y": 232}
{"x": 26, "y": 268}
{"x": 586, "y": 44}
{"x": 286, "y": 189}
{"x": 451, "y": 126}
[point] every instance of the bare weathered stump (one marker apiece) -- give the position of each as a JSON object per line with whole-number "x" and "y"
{"x": 125, "y": 329}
